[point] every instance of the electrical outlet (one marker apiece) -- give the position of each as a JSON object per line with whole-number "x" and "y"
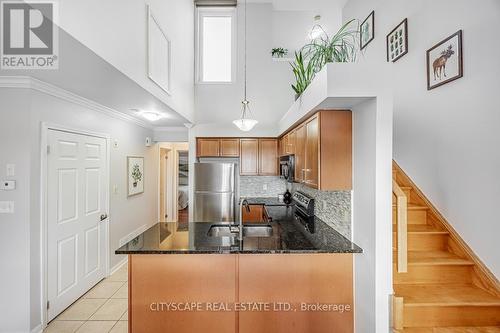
{"x": 264, "y": 187}
{"x": 115, "y": 189}
{"x": 115, "y": 143}
{"x": 325, "y": 204}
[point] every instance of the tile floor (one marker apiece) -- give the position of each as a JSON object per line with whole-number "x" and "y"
{"x": 101, "y": 309}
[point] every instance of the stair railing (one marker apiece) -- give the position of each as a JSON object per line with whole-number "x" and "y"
{"x": 402, "y": 227}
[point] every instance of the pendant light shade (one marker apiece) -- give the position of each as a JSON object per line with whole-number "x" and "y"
{"x": 245, "y": 123}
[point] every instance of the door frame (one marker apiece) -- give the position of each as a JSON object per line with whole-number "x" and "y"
{"x": 45, "y": 128}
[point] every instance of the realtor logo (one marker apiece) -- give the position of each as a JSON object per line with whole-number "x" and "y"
{"x": 29, "y": 35}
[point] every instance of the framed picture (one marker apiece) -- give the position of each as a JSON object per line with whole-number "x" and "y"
{"x": 367, "y": 30}
{"x": 135, "y": 175}
{"x": 159, "y": 54}
{"x": 397, "y": 42}
{"x": 444, "y": 61}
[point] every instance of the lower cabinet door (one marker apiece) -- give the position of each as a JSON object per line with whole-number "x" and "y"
{"x": 157, "y": 282}
{"x": 291, "y": 286}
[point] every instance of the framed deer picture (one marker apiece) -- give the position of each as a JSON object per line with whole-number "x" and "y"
{"x": 445, "y": 61}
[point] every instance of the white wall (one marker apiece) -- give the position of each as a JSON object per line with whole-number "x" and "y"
{"x": 173, "y": 134}
{"x": 15, "y": 244}
{"x": 269, "y": 90}
{"x": 22, "y": 112}
{"x": 117, "y": 31}
{"x": 446, "y": 139}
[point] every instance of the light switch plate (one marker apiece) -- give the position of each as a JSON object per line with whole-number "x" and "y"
{"x": 6, "y": 207}
{"x": 8, "y": 185}
{"x": 10, "y": 170}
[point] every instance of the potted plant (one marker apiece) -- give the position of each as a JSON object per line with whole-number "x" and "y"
{"x": 279, "y": 52}
{"x": 303, "y": 72}
{"x": 341, "y": 47}
{"x": 136, "y": 174}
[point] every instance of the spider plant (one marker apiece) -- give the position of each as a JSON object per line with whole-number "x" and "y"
{"x": 304, "y": 73}
{"x": 341, "y": 47}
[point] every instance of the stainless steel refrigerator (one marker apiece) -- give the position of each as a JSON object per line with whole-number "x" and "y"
{"x": 215, "y": 191}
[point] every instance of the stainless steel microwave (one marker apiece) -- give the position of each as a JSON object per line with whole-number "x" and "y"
{"x": 287, "y": 167}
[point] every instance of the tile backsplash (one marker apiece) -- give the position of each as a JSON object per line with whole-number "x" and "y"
{"x": 253, "y": 186}
{"x": 333, "y": 207}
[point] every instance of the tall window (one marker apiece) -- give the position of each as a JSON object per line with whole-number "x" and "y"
{"x": 216, "y": 38}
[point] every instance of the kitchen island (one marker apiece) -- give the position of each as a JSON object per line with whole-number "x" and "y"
{"x": 282, "y": 276}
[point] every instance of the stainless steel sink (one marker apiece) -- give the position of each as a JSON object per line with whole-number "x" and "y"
{"x": 223, "y": 231}
{"x": 257, "y": 231}
{"x": 218, "y": 230}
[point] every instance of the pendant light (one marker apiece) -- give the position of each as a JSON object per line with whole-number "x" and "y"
{"x": 317, "y": 30}
{"x": 245, "y": 123}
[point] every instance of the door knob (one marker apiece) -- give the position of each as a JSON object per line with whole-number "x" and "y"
{"x": 104, "y": 216}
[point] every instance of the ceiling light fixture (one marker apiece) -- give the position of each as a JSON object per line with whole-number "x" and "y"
{"x": 317, "y": 30}
{"x": 150, "y": 115}
{"x": 245, "y": 123}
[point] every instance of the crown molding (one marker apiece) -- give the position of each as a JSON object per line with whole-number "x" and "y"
{"x": 28, "y": 82}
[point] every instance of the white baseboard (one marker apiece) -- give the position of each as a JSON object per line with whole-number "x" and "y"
{"x": 37, "y": 329}
{"x": 118, "y": 265}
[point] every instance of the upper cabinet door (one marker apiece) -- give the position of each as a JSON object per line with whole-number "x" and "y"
{"x": 268, "y": 157}
{"x": 290, "y": 144}
{"x": 300, "y": 152}
{"x": 207, "y": 148}
{"x": 312, "y": 153}
{"x": 249, "y": 157}
{"x": 230, "y": 147}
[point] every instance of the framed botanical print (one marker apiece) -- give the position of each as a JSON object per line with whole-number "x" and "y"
{"x": 135, "y": 175}
{"x": 397, "y": 42}
{"x": 445, "y": 61}
{"x": 367, "y": 30}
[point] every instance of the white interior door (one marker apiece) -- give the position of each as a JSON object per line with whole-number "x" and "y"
{"x": 76, "y": 203}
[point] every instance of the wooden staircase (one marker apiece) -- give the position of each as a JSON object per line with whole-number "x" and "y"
{"x": 442, "y": 287}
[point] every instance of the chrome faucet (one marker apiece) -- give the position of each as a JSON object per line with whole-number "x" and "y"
{"x": 243, "y": 202}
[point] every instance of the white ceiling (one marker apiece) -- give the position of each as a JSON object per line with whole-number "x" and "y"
{"x": 302, "y": 5}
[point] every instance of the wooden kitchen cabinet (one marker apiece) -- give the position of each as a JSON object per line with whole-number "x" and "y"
{"x": 268, "y": 157}
{"x": 249, "y": 157}
{"x": 230, "y": 147}
{"x": 288, "y": 144}
{"x": 207, "y": 147}
{"x": 311, "y": 163}
{"x": 300, "y": 153}
{"x": 323, "y": 150}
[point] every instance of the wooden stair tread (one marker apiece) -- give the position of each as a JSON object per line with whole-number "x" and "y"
{"x": 416, "y": 258}
{"x": 486, "y": 329}
{"x": 444, "y": 295}
{"x": 412, "y": 206}
{"x": 422, "y": 228}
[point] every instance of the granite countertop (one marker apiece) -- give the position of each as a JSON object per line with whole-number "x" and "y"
{"x": 288, "y": 236}
{"x": 269, "y": 202}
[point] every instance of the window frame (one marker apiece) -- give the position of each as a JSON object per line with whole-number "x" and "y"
{"x": 202, "y": 12}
